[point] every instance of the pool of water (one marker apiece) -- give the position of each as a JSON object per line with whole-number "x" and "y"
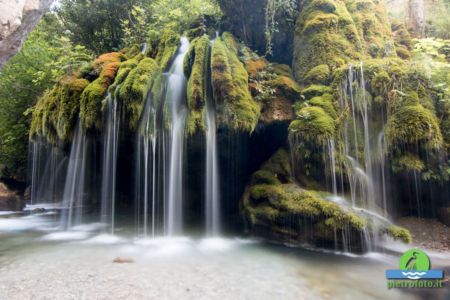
{"x": 39, "y": 262}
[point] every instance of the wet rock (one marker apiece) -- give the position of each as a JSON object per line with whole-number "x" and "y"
{"x": 18, "y": 18}
{"x": 444, "y": 215}
{"x": 123, "y": 260}
{"x": 10, "y": 200}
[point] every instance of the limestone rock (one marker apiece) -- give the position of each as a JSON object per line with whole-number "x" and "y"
{"x": 18, "y": 18}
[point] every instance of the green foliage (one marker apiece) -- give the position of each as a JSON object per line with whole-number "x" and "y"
{"x": 178, "y": 15}
{"x": 46, "y": 55}
{"x": 274, "y": 8}
{"x": 97, "y": 25}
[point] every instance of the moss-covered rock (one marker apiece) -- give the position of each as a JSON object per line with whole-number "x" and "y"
{"x": 275, "y": 207}
{"x": 399, "y": 234}
{"x": 91, "y": 99}
{"x": 371, "y": 20}
{"x": 132, "y": 92}
{"x": 313, "y": 124}
{"x": 229, "y": 79}
{"x": 318, "y": 74}
{"x": 414, "y": 124}
{"x": 325, "y": 35}
{"x": 56, "y": 112}
{"x": 167, "y": 48}
{"x": 196, "y": 69}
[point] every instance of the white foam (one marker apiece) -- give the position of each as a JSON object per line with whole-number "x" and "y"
{"x": 66, "y": 236}
{"x": 105, "y": 239}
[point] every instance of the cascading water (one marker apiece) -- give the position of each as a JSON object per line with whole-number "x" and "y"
{"x": 176, "y": 88}
{"x": 109, "y": 172}
{"x": 161, "y": 152}
{"x": 212, "y": 199}
{"x": 74, "y": 187}
{"x": 47, "y": 168}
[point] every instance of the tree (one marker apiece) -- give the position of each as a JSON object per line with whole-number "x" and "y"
{"x": 96, "y": 24}
{"x": 416, "y": 20}
{"x": 46, "y": 55}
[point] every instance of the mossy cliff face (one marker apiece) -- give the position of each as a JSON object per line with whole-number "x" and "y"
{"x": 272, "y": 86}
{"x": 237, "y": 109}
{"x": 275, "y": 207}
{"x": 335, "y": 32}
{"x": 56, "y": 113}
{"x": 325, "y": 34}
{"x": 91, "y": 100}
{"x": 132, "y": 93}
{"x": 196, "y": 69}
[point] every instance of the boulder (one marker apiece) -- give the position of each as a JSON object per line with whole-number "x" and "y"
{"x": 9, "y": 199}
{"x": 18, "y": 18}
{"x": 444, "y": 215}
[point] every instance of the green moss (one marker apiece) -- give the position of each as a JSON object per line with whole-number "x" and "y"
{"x": 318, "y": 74}
{"x": 282, "y": 70}
{"x": 316, "y": 90}
{"x": 399, "y": 233}
{"x": 195, "y": 66}
{"x": 408, "y": 162}
{"x": 313, "y": 124}
{"x": 371, "y": 20}
{"x": 286, "y": 87}
{"x": 167, "y": 48}
{"x": 230, "y": 87}
{"x": 91, "y": 99}
{"x": 55, "y": 113}
{"x": 413, "y": 124}
{"x": 264, "y": 177}
{"x": 133, "y": 90}
{"x": 403, "y": 52}
{"x": 279, "y": 166}
{"x": 326, "y": 103}
{"x": 325, "y": 35}
{"x": 266, "y": 193}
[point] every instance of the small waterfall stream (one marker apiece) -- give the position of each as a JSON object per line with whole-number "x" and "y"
{"x": 176, "y": 89}
{"x": 160, "y": 153}
{"x": 212, "y": 195}
{"x": 109, "y": 166}
{"x": 74, "y": 187}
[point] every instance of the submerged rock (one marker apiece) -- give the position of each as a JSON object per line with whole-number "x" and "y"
{"x": 275, "y": 207}
{"x": 123, "y": 260}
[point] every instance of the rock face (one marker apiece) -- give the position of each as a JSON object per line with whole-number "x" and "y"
{"x": 10, "y": 200}
{"x": 246, "y": 20}
{"x": 18, "y": 18}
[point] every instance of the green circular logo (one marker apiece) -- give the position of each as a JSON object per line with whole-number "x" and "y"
{"x": 414, "y": 259}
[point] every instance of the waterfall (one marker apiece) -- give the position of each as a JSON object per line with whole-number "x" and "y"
{"x": 160, "y": 153}
{"x": 109, "y": 167}
{"x": 74, "y": 187}
{"x": 176, "y": 90}
{"x": 47, "y": 168}
{"x": 212, "y": 199}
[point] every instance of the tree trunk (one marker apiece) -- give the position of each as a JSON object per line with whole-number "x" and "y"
{"x": 416, "y": 21}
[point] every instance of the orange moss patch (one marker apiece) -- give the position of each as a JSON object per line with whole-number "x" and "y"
{"x": 255, "y": 66}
